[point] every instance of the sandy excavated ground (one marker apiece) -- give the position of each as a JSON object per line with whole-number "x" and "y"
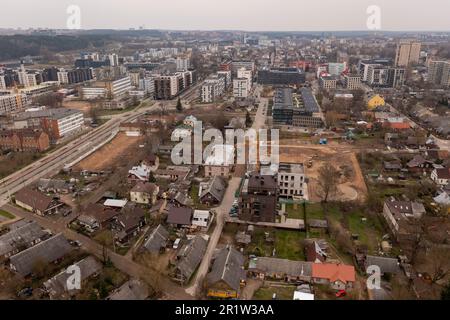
{"x": 351, "y": 188}
{"x": 82, "y": 106}
{"x": 108, "y": 155}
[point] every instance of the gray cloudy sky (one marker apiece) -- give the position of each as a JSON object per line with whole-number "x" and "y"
{"x": 251, "y": 15}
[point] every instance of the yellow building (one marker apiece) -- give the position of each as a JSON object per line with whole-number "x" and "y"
{"x": 375, "y": 101}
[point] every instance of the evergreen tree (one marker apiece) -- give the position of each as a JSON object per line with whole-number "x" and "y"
{"x": 179, "y": 105}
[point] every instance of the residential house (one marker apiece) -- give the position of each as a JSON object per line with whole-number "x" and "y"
{"x": 401, "y": 217}
{"x": 157, "y": 240}
{"x": 173, "y": 173}
{"x": 130, "y": 290}
{"x": 57, "y": 288}
{"x": 258, "y": 199}
{"x": 139, "y": 173}
{"x": 144, "y": 193}
{"x": 179, "y": 217}
{"x": 202, "y": 219}
{"x": 387, "y": 265}
{"x": 129, "y": 223}
{"x": 55, "y": 186}
{"x": 36, "y": 202}
{"x": 211, "y": 192}
{"x": 189, "y": 258}
{"x": 419, "y": 164}
{"x": 152, "y": 161}
{"x": 338, "y": 276}
{"x": 95, "y": 216}
{"x": 280, "y": 269}
{"x": 227, "y": 274}
{"x": 220, "y": 161}
{"x": 46, "y": 252}
{"x": 441, "y": 176}
{"x": 20, "y": 238}
{"x": 392, "y": 165}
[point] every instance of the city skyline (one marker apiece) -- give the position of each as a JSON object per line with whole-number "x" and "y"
{"x": 249, "y": 16}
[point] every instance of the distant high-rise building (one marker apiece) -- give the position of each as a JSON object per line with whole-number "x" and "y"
{"x": 439, "y": 72}
{"x": 113, "y": 60}
{"x": 408, "y": 52}
{"x": 2, "y": 82}
{"x": 183, "y": 63}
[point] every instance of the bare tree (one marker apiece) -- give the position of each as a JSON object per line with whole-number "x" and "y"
{"x": 328, "y": 181}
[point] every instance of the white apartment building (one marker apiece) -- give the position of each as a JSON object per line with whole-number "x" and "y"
{"x": 227, "y": 76}
{"x": 183, "y": 63}
{"x": 108, "y": 88}
{"x": 241, "y": 88}
{"x": 69, "y": 121}
{"x": 2, "y": 83}
{"x": 291, "y": 180}
{"x": 328, "y": 82}
{"x": 212, "y": 89}
{"x": 63, "y": 76}
{"x": 352, "y": 82}
{"x": 113, "y": 60}
{"x": 148, "y": 85}
{"x": 91, "y": 93}
{"x": 12, "y": 102}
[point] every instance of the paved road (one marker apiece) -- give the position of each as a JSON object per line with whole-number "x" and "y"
{"x": 123, "y": 263}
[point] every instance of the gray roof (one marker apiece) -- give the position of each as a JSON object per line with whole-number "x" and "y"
{"x": 23, "y": 235}
{"x": 57, "y": 285}
{"x": 190, "y": 256}
{"x": 281, "y": 266}
{"x": 46, "y": 251}
{"x": 387, "y": 265}
{"x": 216, "y": 187}
{"x": 309, "y": 101}
{"x": 130, "y": 290}
{"x": 228, "y": 267}
{"x": 57, "y": 113}
{"x": 179, "y": 215}
{"x": 157, "y": 239}
{"x": 54, "y": 184}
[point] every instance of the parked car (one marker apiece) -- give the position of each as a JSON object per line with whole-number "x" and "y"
{"x": 176, "y": 243}
{"x": 341, "y": 293}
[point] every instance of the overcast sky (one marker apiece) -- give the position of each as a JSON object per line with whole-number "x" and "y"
{"x": 251, "y": 15}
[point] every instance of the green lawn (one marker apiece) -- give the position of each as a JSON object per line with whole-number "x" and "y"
{"x": 283, "y": 293}
{"x": 313, "y": 210}
{"x": 6, "y": 214}
{"x": 289, "y": 244}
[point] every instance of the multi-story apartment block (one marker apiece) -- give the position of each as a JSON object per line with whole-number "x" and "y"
{"x": 241, "y": 88}
{"x": 57, "y": 123}
{"x": 291, "y": 180}
{"x": 12, "y": 102}
{"x": 111, "y": 89}
{"x": 327, "y": 82}
{"x": 352, "y": 81}
{"x": 439, "y": 72}
{"x": 213, "y": 88}
{"x": 30, "y": 140}
{"x": 408, "y": 52}
{"x": 281, "y": 76}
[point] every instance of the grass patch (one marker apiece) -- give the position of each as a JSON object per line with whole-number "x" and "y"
{"x": 313, "y": 210}
{"x": 6, "y": 214}
{"x": 283, "y": 293}
{"x": 289, "y": 244}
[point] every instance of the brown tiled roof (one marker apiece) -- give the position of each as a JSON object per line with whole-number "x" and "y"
{"x": 34, "y": 198}
{"x": 179, "y": 215}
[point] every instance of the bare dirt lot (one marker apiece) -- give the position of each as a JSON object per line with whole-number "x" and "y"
{"x": 352, "y": 186}
{"x": 83, "y": 106}
{"x": 107, "y": 156}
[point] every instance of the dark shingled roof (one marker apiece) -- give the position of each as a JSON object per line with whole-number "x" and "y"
{"x": 179, "y": 215}
{"x": 387, "y": 265}
{"x": 57, "y": 285}
{"x": 228, "y": 267}
{"x": 190, "y": 256}
{"x": 131, "y": 290}
{"x": 23, "y": 235}
{"x": 157, "y": 239}
{"x": 46, "y": 251}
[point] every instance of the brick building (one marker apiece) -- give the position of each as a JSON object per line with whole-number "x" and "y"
{"x": 24, "y": 140}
